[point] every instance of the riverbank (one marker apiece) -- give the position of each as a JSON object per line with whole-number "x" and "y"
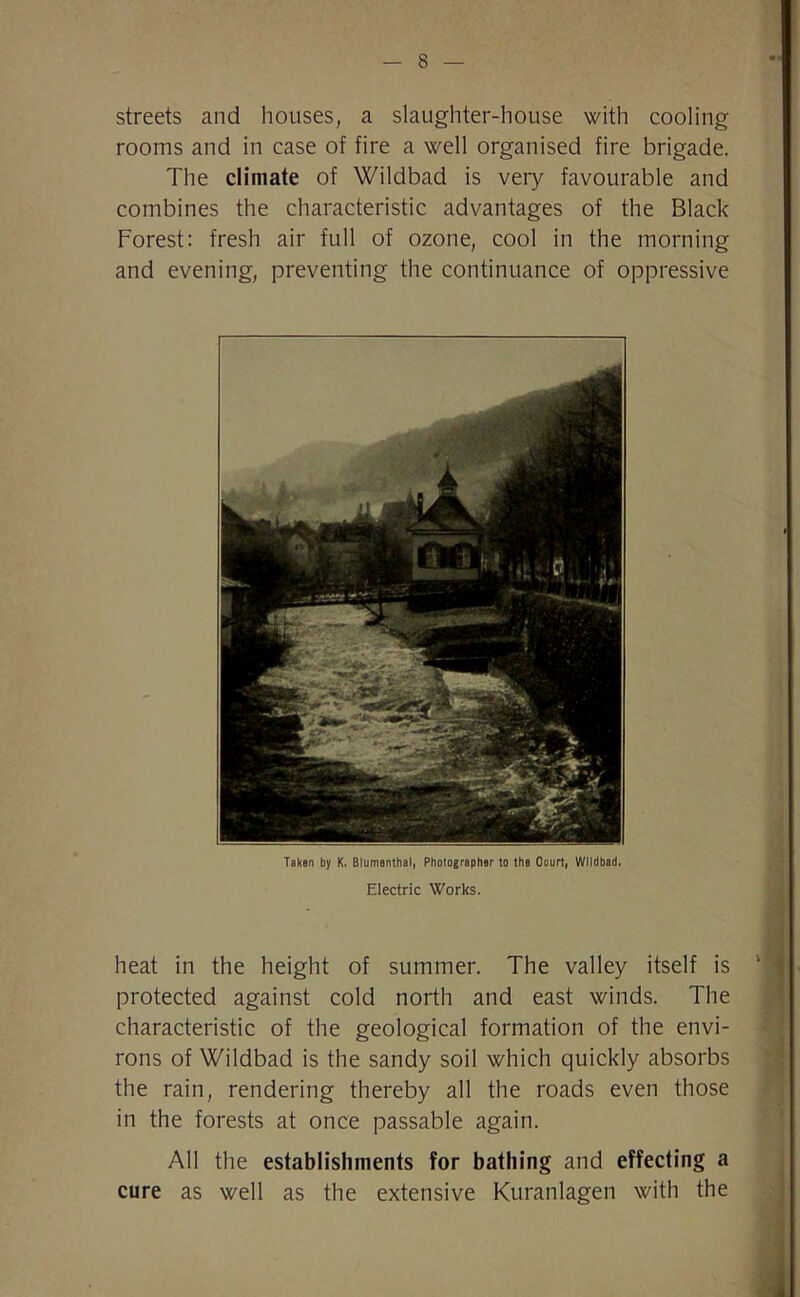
{"x": 354, "y": 738}
{"x": 561, "y": 657}
{"x": 470, "y": 637}
{"x": 576, "y": 646}
{"x": 564, "y": 656}
{"x": 416, "y": 628}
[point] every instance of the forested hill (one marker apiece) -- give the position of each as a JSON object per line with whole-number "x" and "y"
{"x": 473, "y": 442}
{"x": 317, "y": 463}
{"x": 328, "y": 478}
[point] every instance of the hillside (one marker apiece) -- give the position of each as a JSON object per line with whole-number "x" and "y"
{"x": 318, "y": 463}
{"x": 473, "y": 442}
{"x": 478, "y": 444}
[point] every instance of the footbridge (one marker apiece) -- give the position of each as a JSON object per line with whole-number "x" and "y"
{"x": 364, "y": 596}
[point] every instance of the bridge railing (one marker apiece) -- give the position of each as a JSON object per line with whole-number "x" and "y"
{"x": 345, "y": 595}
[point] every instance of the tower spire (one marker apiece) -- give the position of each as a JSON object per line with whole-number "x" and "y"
{"x": 447, "y": 483}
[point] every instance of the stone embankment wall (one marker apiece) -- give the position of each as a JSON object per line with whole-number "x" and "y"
{"x": 572, "y": 658}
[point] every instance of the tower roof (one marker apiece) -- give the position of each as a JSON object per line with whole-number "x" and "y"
{"x": 447, "y": 483}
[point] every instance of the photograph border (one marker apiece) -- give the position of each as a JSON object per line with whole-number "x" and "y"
{"x": 534, "y": 337}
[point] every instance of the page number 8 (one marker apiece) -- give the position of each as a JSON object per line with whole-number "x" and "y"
{"x": 422, "y": 60}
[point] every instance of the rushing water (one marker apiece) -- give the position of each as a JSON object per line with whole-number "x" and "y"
{"x": 354, "y": 739}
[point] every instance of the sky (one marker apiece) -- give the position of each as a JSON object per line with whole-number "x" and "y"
{"x": 277, "y": 394}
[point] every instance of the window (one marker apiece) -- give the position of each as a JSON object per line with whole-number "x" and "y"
{"x": 432, "y": 555}
{"x": 463, "y": 555}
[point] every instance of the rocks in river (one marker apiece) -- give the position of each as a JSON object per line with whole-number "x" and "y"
{"x": 441, "y": 703}
{"x": 556, "y": 739}
{"x": 280, "y": 725}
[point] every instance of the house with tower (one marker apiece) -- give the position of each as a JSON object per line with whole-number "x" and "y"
{"x": 446, "y": 540}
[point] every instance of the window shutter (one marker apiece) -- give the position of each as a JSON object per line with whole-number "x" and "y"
{"x": 421, "y": 556}
{"x": 475, "y": 558}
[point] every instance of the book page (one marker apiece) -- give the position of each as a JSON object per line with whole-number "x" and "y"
{"x": 396, "y": 719}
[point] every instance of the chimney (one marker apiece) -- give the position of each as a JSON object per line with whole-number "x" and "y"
{"x": 360, "y": 510}
{"x": 368, "y": 512}
{"x": 419, "y": 504}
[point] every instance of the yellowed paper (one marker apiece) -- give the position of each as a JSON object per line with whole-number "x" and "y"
{"x": 611, "y": 1167}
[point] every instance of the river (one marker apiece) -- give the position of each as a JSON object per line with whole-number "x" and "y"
{"x": 352, "y": 738}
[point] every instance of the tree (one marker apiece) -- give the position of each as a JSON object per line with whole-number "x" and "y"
{"x": 282, "y": 501}
{"x": 562, "y": 498}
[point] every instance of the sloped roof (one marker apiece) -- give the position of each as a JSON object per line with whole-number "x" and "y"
{"x": 362, "y": 520}
{"x": 447, "y": 513}
{"x": 308, "y": 533}
{"x": 230, "y": 518}
{"x": 396, "y": 513}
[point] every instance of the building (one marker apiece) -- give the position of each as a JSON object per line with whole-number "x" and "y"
{"x": 395, "y": 518}
{"x": 446, "y": 540}
{"x": 252, "y": 552}
{"x": 301, "y": 548}
{"x": 346, "y": 549}
{"x": 233, "y": 610}
{"x": 238, "y": 540}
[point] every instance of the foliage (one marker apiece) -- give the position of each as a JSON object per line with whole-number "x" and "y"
{"x": 385, "y": 557}
{"x": 558, "y": 509}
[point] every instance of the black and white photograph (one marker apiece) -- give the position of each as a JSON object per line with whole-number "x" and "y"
{"x": 421, "y": 589}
